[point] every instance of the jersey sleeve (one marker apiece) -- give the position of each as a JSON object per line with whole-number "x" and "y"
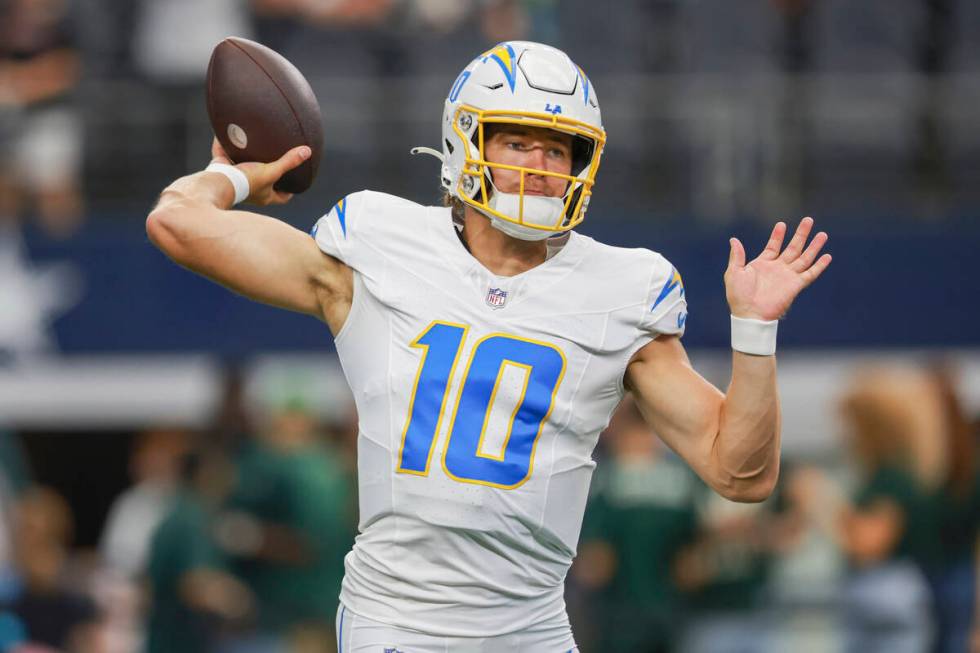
{"x": 342, "y": 231}
{"x": 666, "y": 309}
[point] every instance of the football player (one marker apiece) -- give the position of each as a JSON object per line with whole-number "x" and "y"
{"x": 487, "y": 345}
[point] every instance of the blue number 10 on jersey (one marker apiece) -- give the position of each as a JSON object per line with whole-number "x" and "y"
{"x": 542, "y": 367}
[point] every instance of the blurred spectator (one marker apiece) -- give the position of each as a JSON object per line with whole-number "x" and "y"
{"x": 171, "y": 45}
{"x": 785, "y": 170}
{"x": 974, "y": 641}
{"x": 15, "y": 479}
{"x": 504, "y": 20}
{"x": 642, "y": 511}
{"x": 288, "y": 525}
{"x": 887, "y": 531}
{"x": 40, "y": 130}
{"x": 345, "y": 13}
{"x": 45, "y": 611}
{"x": 155, "y": 467}
{"x": 518, "y": 20}
{"x": 136, "y": 513}
{"x": 13, "y": 464}
{"x": 231, "y": 423}
{"x": 276, "y": 22}
{"x": 957, "y": 504}
{"x": 726, "y": 572}
{"x": 193, "y": 597}
{"x": 936, "y": 43}
{"x": 440, "y": 16}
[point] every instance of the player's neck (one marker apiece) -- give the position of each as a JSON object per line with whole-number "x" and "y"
{"x": 503, "y": 255}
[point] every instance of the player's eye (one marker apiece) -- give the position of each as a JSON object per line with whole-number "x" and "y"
{"x": 557, "y": 153}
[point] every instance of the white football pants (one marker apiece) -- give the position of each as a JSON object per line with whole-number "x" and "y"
{"x": 357, "y": 634}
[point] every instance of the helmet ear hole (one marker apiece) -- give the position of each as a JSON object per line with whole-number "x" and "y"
{"x": 488, "y": 131}
{"x": 576, "y": 196}
{"x": 582, "y": 150}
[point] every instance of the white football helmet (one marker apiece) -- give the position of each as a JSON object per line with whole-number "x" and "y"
{"x": 533, "y": 85}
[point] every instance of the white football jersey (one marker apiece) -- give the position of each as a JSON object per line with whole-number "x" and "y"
{"x": 480, "y": 399}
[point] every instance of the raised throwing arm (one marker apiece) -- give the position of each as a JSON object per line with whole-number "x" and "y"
{"x": 254, "y": 255}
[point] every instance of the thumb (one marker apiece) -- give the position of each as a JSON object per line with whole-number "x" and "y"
{"x": 218, "y": 153}
{"x": 291, "y": 159}
{"x": 736, "y": 257}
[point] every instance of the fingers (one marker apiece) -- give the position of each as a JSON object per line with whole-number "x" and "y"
{"x": 775, "y": 242}
{"x": 264, "y": 175}
{"x": 792, "y": 251}
{"x": 736, "y": 256}
{"x": 810, "y": 275}
{"x": 290, "y": 160}
{"x": 810, "y": 254}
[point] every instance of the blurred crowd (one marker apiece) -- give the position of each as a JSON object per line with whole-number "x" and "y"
{"x": 231, "y": 539}
{"x": 874, "y": 552}
{"x": 809, "y": 106}
{"x": 60, "y": 112}
{"x": 40, "y": 126}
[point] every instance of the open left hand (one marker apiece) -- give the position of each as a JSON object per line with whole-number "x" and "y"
{"x": 766, "y": 287}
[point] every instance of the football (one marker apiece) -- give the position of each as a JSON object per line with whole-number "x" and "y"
{"x": 261, "y": 106}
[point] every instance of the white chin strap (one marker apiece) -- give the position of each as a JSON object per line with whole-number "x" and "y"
{"x": 538, "y": 210}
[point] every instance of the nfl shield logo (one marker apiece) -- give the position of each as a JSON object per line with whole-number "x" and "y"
{"x": 496, "y": 298}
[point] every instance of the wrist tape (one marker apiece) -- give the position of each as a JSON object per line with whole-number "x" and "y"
{"x": 756, "y": 337}
{"x": 235, "y": 176}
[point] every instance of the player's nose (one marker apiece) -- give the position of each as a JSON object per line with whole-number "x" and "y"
{"x": 536, "y": 158}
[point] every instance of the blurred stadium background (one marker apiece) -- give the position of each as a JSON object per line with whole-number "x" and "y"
{"x": 177, "y": 469}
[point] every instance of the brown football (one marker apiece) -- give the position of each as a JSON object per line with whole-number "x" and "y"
{"x": 261, "y": 106}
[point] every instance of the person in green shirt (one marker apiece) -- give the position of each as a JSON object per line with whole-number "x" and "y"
{"x": 725, "y": 575}
{"x": 887, "y": 531}
{"x": 192, "y": 595}
{"x": 956, "y": 502}
{"x": 288, "y": 524}
{"x": 641, "y": 513}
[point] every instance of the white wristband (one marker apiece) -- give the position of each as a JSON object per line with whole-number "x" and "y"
{"x": 235, "y": 176}
{"x": 757, "y": 337}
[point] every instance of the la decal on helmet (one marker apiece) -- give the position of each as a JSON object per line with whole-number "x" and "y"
{"x": 532, "y": 85}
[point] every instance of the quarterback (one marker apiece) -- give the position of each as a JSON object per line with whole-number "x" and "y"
{"x": 487, "y": 344}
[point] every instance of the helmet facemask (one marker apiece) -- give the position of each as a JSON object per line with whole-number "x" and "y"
{"x": 529, "y": 85}
{"x": 522, "y": 215}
